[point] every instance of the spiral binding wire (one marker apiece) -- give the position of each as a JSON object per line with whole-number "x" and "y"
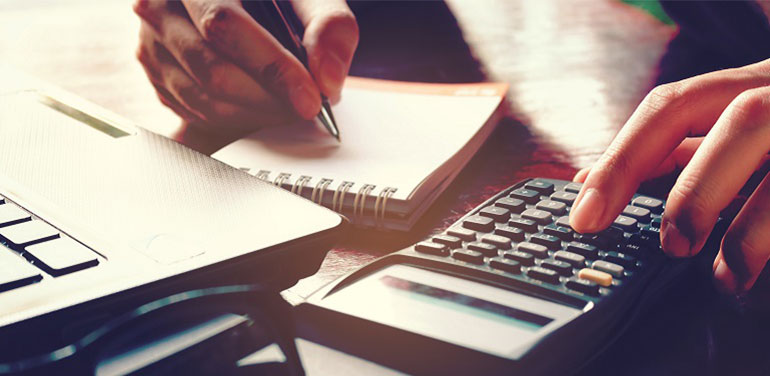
{"x": 283, "y": 179}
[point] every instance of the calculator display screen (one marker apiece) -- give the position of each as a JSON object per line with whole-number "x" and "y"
{"x": 451, "y": 309}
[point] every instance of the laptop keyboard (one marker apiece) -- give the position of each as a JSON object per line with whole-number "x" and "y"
{"x": 32, "y": 248}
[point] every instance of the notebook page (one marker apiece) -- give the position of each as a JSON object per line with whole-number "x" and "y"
{"x": 394, "y": 134}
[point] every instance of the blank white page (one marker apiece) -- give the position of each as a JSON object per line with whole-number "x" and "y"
{"x": 393, "y": 134}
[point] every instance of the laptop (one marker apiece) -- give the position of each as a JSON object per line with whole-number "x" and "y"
{"x": 97, "y": 214}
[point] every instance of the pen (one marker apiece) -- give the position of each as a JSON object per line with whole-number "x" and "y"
{"x": 325, "y": 115}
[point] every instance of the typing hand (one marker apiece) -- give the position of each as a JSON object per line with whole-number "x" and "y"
{"x": 716, "y": 126}
{"x": 214, "y": 65}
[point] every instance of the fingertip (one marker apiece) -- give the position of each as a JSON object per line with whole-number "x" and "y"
{"x": 580, "y": 176}
{"x": 587, "y": 212}
{"x": 332, "y": 74}
{"x": 724, "y": 279}
{"x": 306, "y": 101}
{"x": 674, "y": 243}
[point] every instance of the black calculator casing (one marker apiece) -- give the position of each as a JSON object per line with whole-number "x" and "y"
{"x": 563, "y": 351}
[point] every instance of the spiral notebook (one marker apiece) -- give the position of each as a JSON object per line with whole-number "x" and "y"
{"x": 402, "y": 144}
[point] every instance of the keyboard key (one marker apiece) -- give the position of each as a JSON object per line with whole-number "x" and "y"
{"x": 541, "y": 186}
{"x": 636, "y": 250}
{"x": 497, "y": 213}
{"x": 583, "y": 285}
{"x": 432, "y": 248}
{"x": 641, "y": 214}
{"x": 539, "y": 216}
{"x": 513, "y": 204}
{"x": 473, "y": 257}
{"x": 596, "y": 240}
{"x": 627, "y": 261}
{"x": 565, "y": 197}
{"x": 524, "y": 258}
{"x": 549, "y": 241}
{"x": 560, "y": 267}
{"x": 628, "y": 224}
{"x": 543, "y": 274}
{"x": 527, "y": 195}
{"x": 533, "y": 249}
{"x": 574, "y": 259}
{"x": 527, "y": 225}
{"x": 506, "y": 265}
{"x": 448, "y": 240}
{"x": 11, "y": 214}
{"x": 29, "y": 232}
{"x": 653, "y": 204}
{"x": 599, "y": 277}
{"x": 16, "y": 271}
{"x": 563, "y": 233}
{"x": 553, "y": 207}
{"x": 462, "y": 233}
{"x": 586, "y": 250}
{"x": 62, "y": 256}
{"x": 563, "y": 222}
{"x": 513, "y": 233}
{"x": 498, "y": 241}
{"x": 608, "y": 267}
{"x": 573, "y": 187}
{"x": 479, "y": 223}
{"x": 486, "y": 249}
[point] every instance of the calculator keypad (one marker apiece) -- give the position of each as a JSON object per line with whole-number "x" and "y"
{"x": 524, "y": 234}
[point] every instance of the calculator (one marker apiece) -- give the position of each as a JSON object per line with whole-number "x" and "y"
{"x": 509, "y": 288}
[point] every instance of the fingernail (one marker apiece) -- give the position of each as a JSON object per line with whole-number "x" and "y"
{"x": 306, "y": 101}
{"x": 674, "y": 243}
{"x": 333, "y": 73}
{"x": 724, "y": 279}
{"x": 588, "y": 211}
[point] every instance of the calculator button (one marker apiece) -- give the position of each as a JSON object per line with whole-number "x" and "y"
{"x": 533, "y": 249}
{"x": 599, "y": 277}
{"x": 11, "y": 214}
{"x": 473, "y": 257}
{"x": 653, "y": 204}
{"x": 486, "y": 249}
{"x": 498, "y": 241}
{"x": 583, "y": 285}
{"x": 543, "y": 274}
{"x": 627, "y": 261}
{"x": 573, "y": 187}
{"x": 641, "y": 214}
{"x": 583, "y": 249}
{"x": 479, "y": 223}
{"x": 527, "y": 225}
{"x": 462, "y": 233}
{"x": 513, "y": 233}
{"x": 527, "y": 195}
{"x": 560, "y": 267}
{"x": 574, "y": 259}
{"x": 497, "y": 213}
{"x": 524, "y": 258}
{"x": 29, "y": 232}
{"x": 608, "y": 267}
{"x": 563, "y": 233}
{"x": 565, "y": 197}
{"x": 541, "y": 186}
{"x": 513, "y": 204}
{"x": 448, "y": 240}
{"x": 540, "y": 216}
{"x": 15, "y": 271}
{"x": 553, "y": 207}
{"x": 652, "y": 233}
{"x": 549, "y": 241}
{"x": 432, "y": 248}
{"x": 595, "y": 240}
{"x": 506, "y": 265}
{"x": 637, "y": 250}
{"x": 563, "y": 222}
{"x": 626, "y": 223}
{"x": 62, "y": 256}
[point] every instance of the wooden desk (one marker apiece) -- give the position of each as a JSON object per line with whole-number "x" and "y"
{"x": 576, "y": 68}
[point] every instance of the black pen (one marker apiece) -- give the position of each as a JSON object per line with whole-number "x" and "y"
{"x": 325, "y": 116}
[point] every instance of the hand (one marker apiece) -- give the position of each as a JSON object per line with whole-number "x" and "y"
{"x": 212, "y": 64}
{"x": 731, "y": 110}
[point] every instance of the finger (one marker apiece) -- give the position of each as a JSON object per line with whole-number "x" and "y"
{"x": 580, "y": 176}
{"x": 211, "y": 72}
{"x": 229, "y": 29}
{"x": 746, "y": 246}
{"x": 331, "y": 38}
{"x": 666, "y": 116}
{"x": 719, "y": 168}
